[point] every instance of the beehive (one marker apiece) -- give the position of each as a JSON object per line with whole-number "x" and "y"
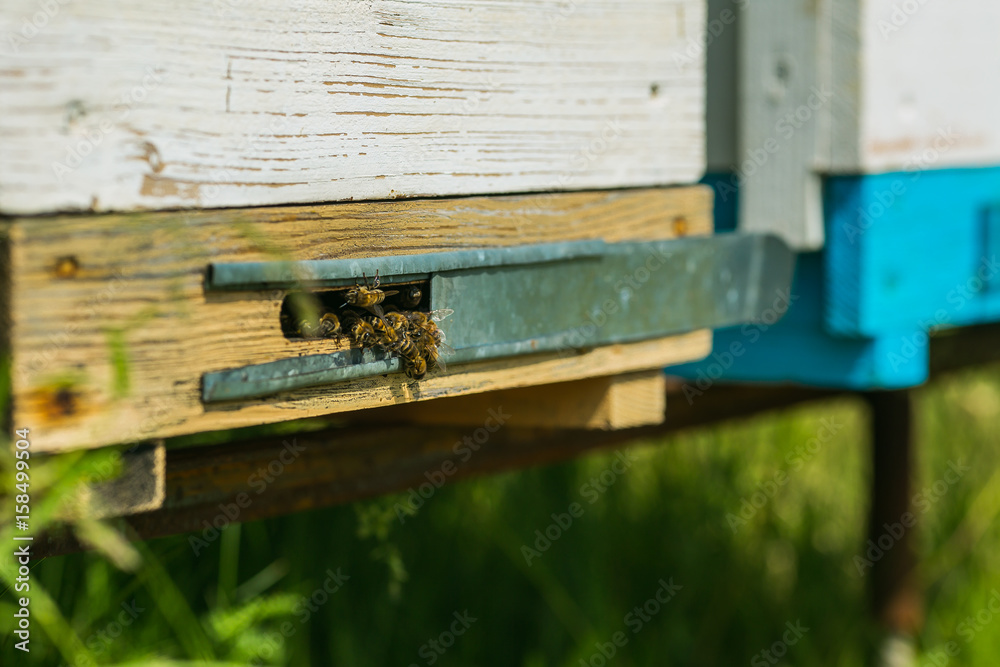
{"x": 142, "y": 144}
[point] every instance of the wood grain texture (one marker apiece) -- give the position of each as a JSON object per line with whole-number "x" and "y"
{"x": 637, "y": 399}
{"x": 611, "y": 402}
{"x": 114, "y": 106}
{"x": 112, "y": 329}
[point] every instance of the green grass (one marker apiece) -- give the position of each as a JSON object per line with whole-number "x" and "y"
{"x": 665, "y": 517}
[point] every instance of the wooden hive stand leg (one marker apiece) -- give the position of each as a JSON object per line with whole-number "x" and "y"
{"x": 895, "y": 595}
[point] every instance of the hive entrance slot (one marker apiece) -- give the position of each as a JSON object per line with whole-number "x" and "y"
{"x": 302, "y": 312}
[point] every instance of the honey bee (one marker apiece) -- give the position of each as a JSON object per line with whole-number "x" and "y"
{"x": 385, "y": 335}
{"x": 413, "y": 337}
{"x": 411, "y": 296}
{"x": 369, "y": 298}
{"x": 362, "y": 333}
{"x": 434, "y": 355}
{"x": 398, "y": 321}
{"x": 414, "y": 358}
{"x": 415, "y": 369}
{"x": 327, "y": 327}
{"x": 428, "y": 321}
{"x": 428, "y": 339}
{"x": 425, "y": 324}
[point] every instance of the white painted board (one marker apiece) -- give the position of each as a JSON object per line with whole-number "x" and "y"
{"x": 856, "y": 87}
{"x": 930, "y": 85}
{"x": 116, "y": 105}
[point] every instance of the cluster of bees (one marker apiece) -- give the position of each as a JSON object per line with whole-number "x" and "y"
{"x": 369, "y": 322}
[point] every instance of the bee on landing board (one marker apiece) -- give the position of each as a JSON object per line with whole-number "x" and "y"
{"x": 428, "y": 338}
{"x": 413, "y": 356}
{"x": 363, "y": 334}
{"x": 385, "y": 335}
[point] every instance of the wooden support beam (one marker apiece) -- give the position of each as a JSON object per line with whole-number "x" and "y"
{"x": 210, "y": 486}
{"x": 364, "y": 459}
{"x": 896, "y": 599}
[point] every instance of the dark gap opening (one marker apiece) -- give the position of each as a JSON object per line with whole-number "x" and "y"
{"x": 302, "y": 311}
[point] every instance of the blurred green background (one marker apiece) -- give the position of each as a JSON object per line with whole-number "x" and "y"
{"x": 241, "y": 599}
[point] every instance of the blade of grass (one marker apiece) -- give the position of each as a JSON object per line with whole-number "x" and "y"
{"x": 173, "y": 606}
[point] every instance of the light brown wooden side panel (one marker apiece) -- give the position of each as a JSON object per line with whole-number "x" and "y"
{"x": 112, "y": 329}
{"x": 609, "y": 402}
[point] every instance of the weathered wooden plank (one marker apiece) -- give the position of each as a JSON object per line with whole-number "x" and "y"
{"x": 112, "y": 329}
{"x": 853, "y": 87}
{"x": 139, "y": 487}
{"x": 109, "y": 105}
{"x": 207, "y": 486}
{"x": 637, "y": 399}
{"x": 611, "y": 402}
